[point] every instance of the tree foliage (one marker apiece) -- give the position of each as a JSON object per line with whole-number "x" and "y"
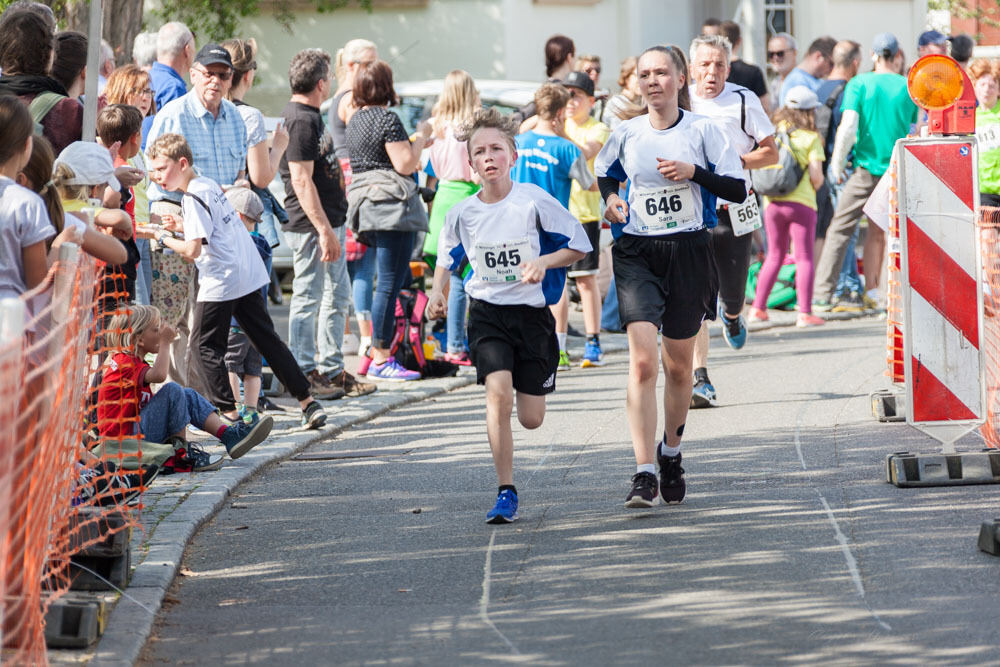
{"x": 218, "y": 19}
{"x": 967, "y": 9}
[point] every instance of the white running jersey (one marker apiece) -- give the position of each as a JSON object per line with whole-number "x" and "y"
{"x": 496, "y": 239}
{"x": 657, "y": 205}
{"x": 741, "y": 130}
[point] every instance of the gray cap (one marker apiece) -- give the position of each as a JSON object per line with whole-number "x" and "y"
{"x": 885, "y": 45}
{"x": 246, "y": 201}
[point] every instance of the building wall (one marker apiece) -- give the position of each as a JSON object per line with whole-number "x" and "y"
{"x": 505, "y": 38}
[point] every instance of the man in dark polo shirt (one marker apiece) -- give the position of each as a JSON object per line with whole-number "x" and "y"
{"x": 317, "y": 209}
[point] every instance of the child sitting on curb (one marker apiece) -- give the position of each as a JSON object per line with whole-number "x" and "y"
{"x": 518, "y": 239}
{"x": 230, "y": 274}
{"x": 125, "y": 393}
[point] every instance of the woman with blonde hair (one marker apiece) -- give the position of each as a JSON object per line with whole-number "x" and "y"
{"x": 628, "y": 103}
{"x": 130, "y": 84}
{"x": 360, "y": 259}
{"x": 449, "y": 157}
{"x": 792, "y": 217}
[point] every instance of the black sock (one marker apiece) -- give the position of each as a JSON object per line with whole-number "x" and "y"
{"x": 507, "y": 487}
{"x": 726, "y": 317}
{"x": 701, "y": 374}
{"x": 595, "y": 339}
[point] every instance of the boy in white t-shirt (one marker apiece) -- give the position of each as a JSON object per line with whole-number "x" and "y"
{"x": 517, "y": 239}
{"x": 230, "y": 275}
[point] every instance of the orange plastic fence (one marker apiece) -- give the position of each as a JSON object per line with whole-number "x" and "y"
{"x": 49, "y": 478}
{"x": 989, "y": 239}
{"x": 893, "y": 297}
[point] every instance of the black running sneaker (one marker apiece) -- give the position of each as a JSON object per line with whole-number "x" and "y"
{"x": 672, "y": 485}
{"x": 643, "y": 493}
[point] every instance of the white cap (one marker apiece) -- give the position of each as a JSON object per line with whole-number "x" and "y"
{"x": 91, "y": 164}
{"x": 801, "y": 97}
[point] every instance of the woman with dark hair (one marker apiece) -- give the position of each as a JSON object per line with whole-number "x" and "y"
{"x": 26, "y": 43}
{"x": 384, "y": 208}
{"x": 69, "y": 66}
{"x": 560, "y": 57}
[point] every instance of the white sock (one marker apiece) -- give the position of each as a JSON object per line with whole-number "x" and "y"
{"x": 873, "y": 294}
{"x": 365, "y": 342}
{"x": 561, "y": 337}
{"x": 668, "y": 451}
{"x": 646, "y": 467}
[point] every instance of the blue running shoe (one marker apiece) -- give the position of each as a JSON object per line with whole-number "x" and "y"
{"x": 734, "y": 331}
{"x": 592, "y": 355}
{"x": 703, "y": 393}
{"x": 505, "y": 511}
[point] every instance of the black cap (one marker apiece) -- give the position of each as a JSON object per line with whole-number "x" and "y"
{"x": 580, "y": 80}
{"x": 961, "y": 47}
{"x": 213, "y": 54}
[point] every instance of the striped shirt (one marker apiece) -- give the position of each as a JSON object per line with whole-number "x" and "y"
{"x": 219, "y": 145}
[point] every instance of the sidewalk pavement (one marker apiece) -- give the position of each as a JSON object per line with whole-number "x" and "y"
{"x": 177, "y": 505}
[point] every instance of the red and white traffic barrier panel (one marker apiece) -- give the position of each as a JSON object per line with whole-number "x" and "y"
{"x": 941, "y": 286}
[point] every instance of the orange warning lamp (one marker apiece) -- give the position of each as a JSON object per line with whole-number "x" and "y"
{"x": 939, "y": 85}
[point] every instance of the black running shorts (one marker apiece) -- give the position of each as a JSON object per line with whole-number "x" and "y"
{"x": 519, "y": 339}
{"x": 588, "y": 266}
{"x": 671, "y": 281}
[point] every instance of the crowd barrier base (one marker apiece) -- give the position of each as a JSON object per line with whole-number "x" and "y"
{"x": 989, "y": 537}
{"x": 906, "y": 469}
{"x": 75, "y": 620}
{"x": 888, "y": 405}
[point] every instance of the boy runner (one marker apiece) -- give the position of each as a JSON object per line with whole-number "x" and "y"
{"x": 517, "y": 240}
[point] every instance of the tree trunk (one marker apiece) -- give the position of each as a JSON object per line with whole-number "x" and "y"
{"x": 122, "y": 22}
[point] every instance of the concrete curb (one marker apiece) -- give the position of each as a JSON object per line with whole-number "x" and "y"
{"x": 194, "y": 499}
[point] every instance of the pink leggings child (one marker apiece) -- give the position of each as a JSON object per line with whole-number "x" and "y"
{"x": 784, "y": 220}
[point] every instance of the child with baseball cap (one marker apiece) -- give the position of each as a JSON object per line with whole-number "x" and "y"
{"x": 243, "y": 361}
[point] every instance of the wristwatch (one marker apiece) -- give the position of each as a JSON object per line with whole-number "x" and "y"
{"x": 159, "y": 242}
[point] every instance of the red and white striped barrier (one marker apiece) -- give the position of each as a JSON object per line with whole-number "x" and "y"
{"x": 941, "y": 286}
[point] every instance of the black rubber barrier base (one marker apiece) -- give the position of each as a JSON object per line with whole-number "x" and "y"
{"x": 989, "y": 537}
{"x": 75, "y": 620}
{"x": 904, "y": 469}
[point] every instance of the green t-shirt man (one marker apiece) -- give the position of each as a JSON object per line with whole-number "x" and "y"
{"x": 885, "y": 114}
{"x": 989, "y": 159}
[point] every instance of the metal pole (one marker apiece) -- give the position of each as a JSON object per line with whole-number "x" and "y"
{"x": 93, "y": 67}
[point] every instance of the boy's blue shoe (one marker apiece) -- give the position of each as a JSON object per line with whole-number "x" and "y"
{"x": 592, "y": 355}
{"x": 734, "y": 331}
{"x": 240, "y": 437}
{"x": 505, "y": 511}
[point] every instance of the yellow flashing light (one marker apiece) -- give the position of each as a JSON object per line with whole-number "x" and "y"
{"x": 935, "y": 82}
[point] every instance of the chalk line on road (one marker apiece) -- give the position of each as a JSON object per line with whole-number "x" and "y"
{"x": 845, "y": 547}
{"x": 484, "y": 601}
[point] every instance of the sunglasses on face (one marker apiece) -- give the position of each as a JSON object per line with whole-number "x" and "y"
{"x": 592, "y": 70}
{"x": 221, "y": 76}
{"x": 771, "y": 55}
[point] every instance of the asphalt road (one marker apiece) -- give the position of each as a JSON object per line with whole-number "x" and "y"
{"x": 789, "y": 548}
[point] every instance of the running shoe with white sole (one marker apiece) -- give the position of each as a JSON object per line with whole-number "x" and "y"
{"x": 734, "y": 331}
{"x": 702, "y": 393}
{"x": 643, "y": 491}
{"x": 564, "y": 362}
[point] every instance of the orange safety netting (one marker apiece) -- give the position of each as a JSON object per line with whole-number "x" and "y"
{"x": 51, "y": 480}
{"x": 893, "y": 292}
{"x": 989, "y": 241}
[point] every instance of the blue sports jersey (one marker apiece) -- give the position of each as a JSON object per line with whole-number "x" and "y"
{"x": 552, "y": 163}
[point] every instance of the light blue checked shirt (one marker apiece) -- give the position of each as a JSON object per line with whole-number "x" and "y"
{"x": 219, "y": 145}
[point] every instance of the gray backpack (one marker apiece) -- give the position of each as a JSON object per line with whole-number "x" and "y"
{"x": 778, "y": 179}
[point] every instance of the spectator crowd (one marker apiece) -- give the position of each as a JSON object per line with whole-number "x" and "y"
{"x": 173, "y": 199}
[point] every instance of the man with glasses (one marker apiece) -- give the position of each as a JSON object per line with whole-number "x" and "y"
{"x": 812, "y": 70}
{"x": 217, "y": 136}
{"x": 782, "y": 52}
